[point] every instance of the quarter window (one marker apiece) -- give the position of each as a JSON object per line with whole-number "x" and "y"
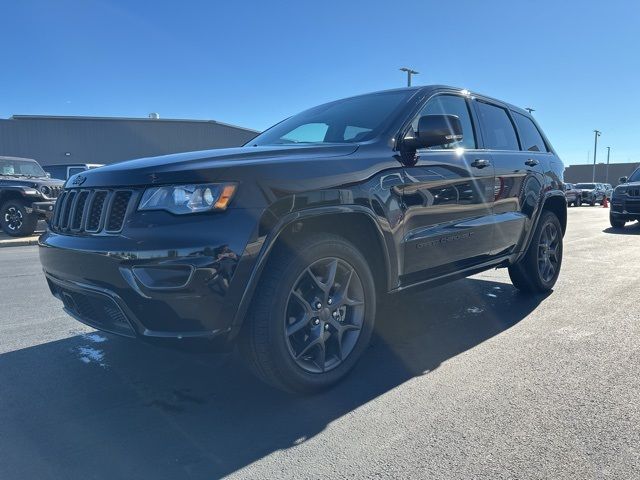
{"x": 450, "y": 105}
{"x": 529, "y": 135}
{"x": 497, "y": 129}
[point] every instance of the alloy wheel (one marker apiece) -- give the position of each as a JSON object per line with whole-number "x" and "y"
{"x": 548, "y": 252}
{"x": 13, "y": 218}
{"x": 324, "y": 315}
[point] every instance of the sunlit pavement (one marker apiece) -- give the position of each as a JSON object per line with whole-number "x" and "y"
{"x": 469, "y": 380}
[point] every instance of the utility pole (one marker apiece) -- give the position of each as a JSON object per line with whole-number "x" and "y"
{"x": 607, "y": 174}
{"x": 595, "y": 153}
{"x": 409, "y": 73}
{"x": 530, "y": 110}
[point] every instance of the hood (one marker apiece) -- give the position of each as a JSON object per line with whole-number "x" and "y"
{"x": 31, "y": 182}
{"x": 202, "y": 166}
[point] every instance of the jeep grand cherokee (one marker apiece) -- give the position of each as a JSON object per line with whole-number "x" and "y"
{"x": 284, "y": 245}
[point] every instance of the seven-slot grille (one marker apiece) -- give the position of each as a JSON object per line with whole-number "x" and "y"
{"x": 91, "y": 211}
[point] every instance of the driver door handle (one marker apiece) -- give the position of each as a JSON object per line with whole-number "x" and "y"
{"x": 480, "y": 163}
{"x": 532, "y": 162}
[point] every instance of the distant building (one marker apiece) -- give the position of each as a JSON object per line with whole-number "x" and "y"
{"x": 57, "y": 139}
{"x": 584, "y": 173}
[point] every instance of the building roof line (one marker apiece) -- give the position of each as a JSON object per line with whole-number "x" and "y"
{"x": 136, "y": 119}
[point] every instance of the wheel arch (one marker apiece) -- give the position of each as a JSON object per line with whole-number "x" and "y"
{"x": 356, "y": 224}
{"x": 557, "y": 203}
{"x": 11, "y": 194}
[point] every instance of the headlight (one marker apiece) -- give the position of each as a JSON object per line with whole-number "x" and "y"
{"x": 181, "y": 199}
{"x": 620, "y": 190}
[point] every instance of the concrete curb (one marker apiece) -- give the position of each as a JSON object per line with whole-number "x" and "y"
{"x": 6, "y": 241}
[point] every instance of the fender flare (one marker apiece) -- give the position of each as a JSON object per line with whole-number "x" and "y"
{"x": 543, "y": 200}
{"x": 272, "y": 238}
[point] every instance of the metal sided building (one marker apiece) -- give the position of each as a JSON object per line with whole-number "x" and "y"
{"x": 61, "y": 139}
{"x": 584, "y": 173}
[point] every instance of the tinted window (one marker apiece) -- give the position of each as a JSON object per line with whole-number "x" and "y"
{"x": 55, "y": 172}
{"x": 74, "y": 170}
{"x": 635, "y": 176}
{"x": 497, "y": 129}
{"x": 346, "y": 121}
{"x": 529, "y": 134}
{"x": 586, "y": 186}
{"x": 450, "y": 105}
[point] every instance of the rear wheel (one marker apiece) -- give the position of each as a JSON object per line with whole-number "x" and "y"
{"x": 15, "y": 220}
{"x": 312, "y": 316}
{"x": 538, "y": 270}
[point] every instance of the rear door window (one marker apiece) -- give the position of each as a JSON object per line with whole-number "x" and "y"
{"x": 497, "y": 129}
{"x": 530, "y": 137}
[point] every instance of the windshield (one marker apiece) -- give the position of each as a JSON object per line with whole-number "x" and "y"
{"x": 19, "y": 167}
{"x": 635, "y": 176}
{"x": 350, "y": 120}
{"x": 586, "y": 186}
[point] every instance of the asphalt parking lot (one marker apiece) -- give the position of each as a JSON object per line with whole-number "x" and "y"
{"x": 468, "y": 380}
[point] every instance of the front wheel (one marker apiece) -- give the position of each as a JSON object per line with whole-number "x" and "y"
{"x": 615, "y": 221}
{"x": 312, "y": 316}
{"x": 15, "y": 220}
{"x": 538, "y": 270}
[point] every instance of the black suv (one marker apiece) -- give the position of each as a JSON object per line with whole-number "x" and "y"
{"x": 26, "y": 195}
{"x": 286, "y": 243}
{"x": 625, "y": 201}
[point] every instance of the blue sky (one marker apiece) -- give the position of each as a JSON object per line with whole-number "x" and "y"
{"x": 253, "y": 63}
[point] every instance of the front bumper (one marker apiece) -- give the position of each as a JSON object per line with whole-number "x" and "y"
{"x": 623, "y": 205}
{"x": 43, "y": 208}
{"x": 179, "y": 280}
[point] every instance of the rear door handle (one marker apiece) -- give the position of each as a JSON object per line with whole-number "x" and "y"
{"x": 480, "y": 163}
{"x": 532, "y": 162}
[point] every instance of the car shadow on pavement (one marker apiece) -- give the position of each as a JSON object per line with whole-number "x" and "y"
{"x": 98, "y": 406}
{"x": 629, "y": 229}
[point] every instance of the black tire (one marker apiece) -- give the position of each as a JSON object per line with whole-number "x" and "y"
{"x": 530, "y": 274}
{"x": 15, "y": 220}
{"x": 578, "y": 203}
{"x": 266, "y": 343}
{"x": 615, "y": 221}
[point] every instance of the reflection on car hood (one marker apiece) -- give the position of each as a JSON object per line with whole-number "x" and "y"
{"x": 202, "y": 166}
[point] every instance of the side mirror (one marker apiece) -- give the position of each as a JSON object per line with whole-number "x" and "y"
{"x": 47, "y": 174}
{"x": 622, "y": 180}
{"x": 435, "y": 130}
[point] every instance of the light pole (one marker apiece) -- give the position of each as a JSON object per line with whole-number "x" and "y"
{"x": 595, "y": 153}
{"x": 530, "y": 110}
{"x": 607, "y": 174}
{"x": 409, "y": 73}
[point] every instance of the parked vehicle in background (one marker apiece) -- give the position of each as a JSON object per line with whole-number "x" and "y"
{"x": 625, "y": 201}
{"x": 64, "y": 171}
{"x": 573, "y": 195}
{"x": 591, "y": 193}
{"x": 26, "y": 195}
{"x": 608, "y": 190}
{"x": 285, "y": 244}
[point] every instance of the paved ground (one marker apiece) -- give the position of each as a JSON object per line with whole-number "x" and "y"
{"x": 469, "y": 380}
